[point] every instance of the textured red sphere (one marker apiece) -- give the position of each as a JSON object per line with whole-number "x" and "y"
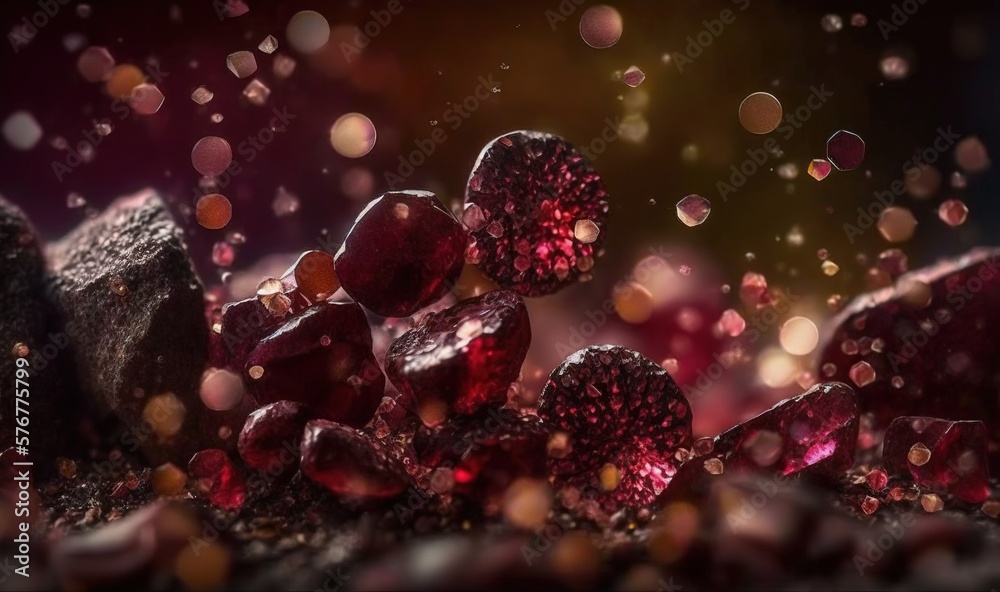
{"x": 464, "y": 357}
{"x": 347, "y": 463}
{"x": 525, "y": 196}
{"x": 404, "y": 252}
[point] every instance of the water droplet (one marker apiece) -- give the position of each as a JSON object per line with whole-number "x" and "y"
{"x": 353, "y": 135}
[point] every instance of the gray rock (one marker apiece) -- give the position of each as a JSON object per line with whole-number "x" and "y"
{"x": 134, "y": 310}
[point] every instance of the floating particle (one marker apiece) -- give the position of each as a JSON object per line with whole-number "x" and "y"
{"x": 168, "y": 480}
{"x": 894, "y": 67}
{"x": 922, "y": 181}
{"x": 123, "y": 79}
{"x": 684, "y": 270}
{"x": 315, "y": 276}
{"x": 600, "y": 26}
{"x": 527, "y": 502}
{"x": 241, "y": 63}
{"x": 357, "y": 183}
{"x": 859, "y": 20}
{"x": 21, "y": 350}
{"x": 284, "y": 66}
{"x": 223, "y": 254}
{"x": 897, "y": 224}
{"x": 268, "y": 45}
{"x": 776, "y": 368}
{"x": 862, "y": 374}
{"x": 714, "y": 466}
{"x": 819, "y": 169}
{"x": 221, "y": 390}
{"x": 971, "y": 155}
{"x": 633, "y": 76}
{"x": 73, "y": 42}
{"x": 75, "y": 200}
{"x": 690, "y": 154}
{"x": 165, "y": 413}
{"x": 307, "y": 31}
{"x": 256, "y": 372}
{"x": 633, "y": 302}
{"x": 146, "y": 99}
{"x": 21, "y": 130}
{"x": 234, "y": 8}
{"x": 830, "y": 268}
{"x": 919, "y": 455}
{"x": 931, "y": 503}
{"x": 799, "y": 336}
{"x": 285, "y": 203}
{"x": 760, "y": 113}
{"x": 831, "y": 23}
{"x": 893, "y": 261}
{"x": 671, "y": 365}
{"x": 585, "y": 230}
{"x": 216, "y": 118}
{"x": 835, "y": 302}
{"x": 731, "y": 323}
{"x": 958, "y": 180}
{"x": 202, "y": 95}
{"x": 869, "y": 505}
{"x": 877, "y": 479}
{"x": 211, "y": 156}
{"x": 83, "y": 11}
{"x": 693, "y": 210}
{"x": 753, "y": 290}
{"x": 95, "y": 64}
{"x": 788, "y": 171}
{"x": 953, "y": 212}
{"x": 256, "y": 92}
{"x": 213, "y": 211}
{"x": 353, "y": 135}
{"x": 845, "y": 150}
{"x": 117, "y": 286}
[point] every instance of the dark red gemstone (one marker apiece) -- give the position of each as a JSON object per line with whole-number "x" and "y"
{"x": 462, "y": 358}
{"x": 486, "y": 451}
{"x": 403, "y": 253}
{"x": 271, "y": 438}
{"x": 622, "y": 409}
{"x": 217, "y": 478}
{"x": 244, "y": 324}
{"x": 347, "y": 463}
{"x": 525, "y": 196}
{"x": 845, "y": 150}
{"x": 323, "y": 359}
{"x": 957, "y": 461}
{"x": 933, "y": 342}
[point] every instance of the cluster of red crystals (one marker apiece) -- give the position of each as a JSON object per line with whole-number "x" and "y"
{"x": 619, "y": 408}
{"x": 323, "y": 359}
{"x": 925, "y": 362}
{"x": 347, "y": 463}
{"x": 486, "y": 452}
{"x": 217, "y": 477}
{"x": 813, "y": 433}
{"x": 526, "y": 193}
{"x": 958, "y": 463}
{"x": 271, "y": 437}
{"x": 462, "y": 358}
{"x": 404, "y": 252}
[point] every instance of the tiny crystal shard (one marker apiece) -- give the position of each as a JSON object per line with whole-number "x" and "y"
{"x": 268, "y": 45}
{"x": 819, "y": 169}
{"x": 336, "y": 378}
{"x": 216, "y": 477}
{"x": 344, "y": 461}
{"x": 943, "y": 455}
{"x": 693, "y": 210}
{"x": 532, "y": 188}
{"x": 897, "y": 224}
{"x": 395, "y": 265}
{"x": 271, "y": 436}
{"x": 845, "y": 150}
{"x": 464, "y": 357}
{"x": 633, "y": 76}
{"x": 241, "y": 63}
{"x": 620, "y": 408}
{"x": 953, "y": 212}
{"x": 862, "y": 374}
{"x": 256, "y": 92}
{"x": 202, "y": 95}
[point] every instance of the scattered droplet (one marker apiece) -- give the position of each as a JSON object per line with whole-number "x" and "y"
{"x": 894, "y": 67}
{"x": 22, "y": 131}
{"x": 585, "y": 231}
{"x": 897, "y": 224}
{"x": 693, "y": 210}
{"x": 268, "y": 45}
{"x": 95, "y": 64}
{"x": 829, "y": 268}
{"x": 971, "y": 155}
{"x": 953, "y": 212}
{"x": 241, "y": 63}
{"x": 760, "y": 113}
{"x": 353, "y": 135}
{"x": 75, "y": 200}
{"x": 146, "y": 99}
{"x": 256, "y": 92}
{"x": 862, "y": 374}
{"x": 307, "y": 31}
{"x": 799, "y": 336}
{"x": 788, "y": 171}
{"x": 211, "y": 156}
{"x": 600, "y": 26}
{"x": 831, "y": 23}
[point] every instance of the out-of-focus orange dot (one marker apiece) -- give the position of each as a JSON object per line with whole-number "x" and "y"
{"x": 123, "y": 79}
{"x": 214, "y": 211}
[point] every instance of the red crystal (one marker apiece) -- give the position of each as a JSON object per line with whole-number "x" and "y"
{"x": 216, "y": 476}
{"x": 323, "y": 359}
{"x": 926, "y": 362}
{"x": 958, "y": 461}
{"x": 464, "y": 357}
{"x": 525, "y": 195}
{"x": 620, "y": 408}
{"x": 243, "y": 325}
{"x": 486, "y": 452}
{"x": 271, "y": 437}
{"x": 347, "y": 463}
{"x": 845, "y": 150}
{"x": 403, "y": 253}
